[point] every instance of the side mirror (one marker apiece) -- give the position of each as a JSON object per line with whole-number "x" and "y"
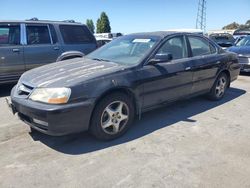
{"x": 161, "y": 58}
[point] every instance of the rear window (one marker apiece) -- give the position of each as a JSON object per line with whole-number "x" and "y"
{"x": 222, "y": 38}
{"x": 37, "y": 34}
{"x": 74, "y": 34}
{"x": 9, "y": 34}
{"x": 200, "y": 46}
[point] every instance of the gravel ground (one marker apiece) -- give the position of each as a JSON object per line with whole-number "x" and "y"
{"x": 193, "y": 143}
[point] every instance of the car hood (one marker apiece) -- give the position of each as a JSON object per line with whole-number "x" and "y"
{"x": 68, "y": 73}
{"x": 243, "y": 50}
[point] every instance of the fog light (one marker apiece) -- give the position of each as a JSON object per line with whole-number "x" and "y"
{"x": 39, "y": 122}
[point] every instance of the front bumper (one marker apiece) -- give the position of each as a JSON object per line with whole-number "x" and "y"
{"x": 53, "y": 120}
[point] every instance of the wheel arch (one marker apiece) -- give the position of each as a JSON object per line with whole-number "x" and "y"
{"x": 127, "y": 91}
{"x": 69, "y": 55}
{"x": 227, "y": 72}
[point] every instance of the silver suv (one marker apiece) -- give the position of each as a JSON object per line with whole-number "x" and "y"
{"x": 28, "y": 44}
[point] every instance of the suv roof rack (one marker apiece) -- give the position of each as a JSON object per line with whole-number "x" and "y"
{"x": 70, "y": 21}
{"x": 35, "y": 19}
{"x": 32, "y": 19}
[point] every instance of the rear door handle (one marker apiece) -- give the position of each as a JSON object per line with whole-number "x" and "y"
{"x": 56, "y": 48}
{"x": 15, "y": 50}
{"x": 187, "y": 68}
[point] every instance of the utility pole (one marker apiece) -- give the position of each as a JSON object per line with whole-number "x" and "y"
{"x": 201, "y": 15}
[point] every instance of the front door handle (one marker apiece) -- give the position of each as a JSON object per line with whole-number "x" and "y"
{"x": 16, "y": 50}
{"x": 56, "y": 48}
{"x": 187, "y": 68}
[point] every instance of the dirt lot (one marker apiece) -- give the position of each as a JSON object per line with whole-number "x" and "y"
{"x": 194, "y": 143}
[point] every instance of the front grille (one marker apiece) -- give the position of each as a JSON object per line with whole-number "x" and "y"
{"x": 24, "y": 89}
{"x": 244, "y": 60}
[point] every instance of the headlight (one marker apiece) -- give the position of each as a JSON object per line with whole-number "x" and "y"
{"x": 51, "y": 95}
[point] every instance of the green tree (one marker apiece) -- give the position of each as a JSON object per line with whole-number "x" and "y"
{"x": 243, "y": 26}
{"x": 98, "y": 25}
{"x": 90, "y": 24}
{"x": 233, "y": 25}
{"x": 103, "y": 24}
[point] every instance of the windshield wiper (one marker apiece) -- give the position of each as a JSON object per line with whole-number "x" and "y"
{"x": 99, "y": 59}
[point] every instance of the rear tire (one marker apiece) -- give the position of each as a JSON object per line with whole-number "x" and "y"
{"x": 219, "y": 88}
{"x": 112, "y": 116}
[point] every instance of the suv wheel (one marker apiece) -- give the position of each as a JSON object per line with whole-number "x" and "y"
{"x": 112, "y": 116}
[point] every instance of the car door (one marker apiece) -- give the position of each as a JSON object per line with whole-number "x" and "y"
{"x": 41, "y": 49}
{"x": 205, "y": 63}
{"x": 167, "y": 81}
{"x": 11, "y": 52}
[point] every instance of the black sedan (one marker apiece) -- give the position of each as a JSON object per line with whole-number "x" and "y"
{"x": 106, "y": 89}
{"x": 242, "y": 48}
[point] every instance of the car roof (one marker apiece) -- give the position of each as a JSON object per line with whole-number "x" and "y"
{"x": 66, "y": 22}
{"x": 160, "y": 34}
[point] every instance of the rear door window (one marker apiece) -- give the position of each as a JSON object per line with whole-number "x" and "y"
{"x": 9, "y": 35}
{"x": 38, "y": 34}
{"x": 200, "y": 46}
{"x": 76, "y": 34}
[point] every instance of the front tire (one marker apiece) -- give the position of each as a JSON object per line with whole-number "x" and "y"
{"x": 112, "y": 116}
{"x": 219, "y": 88}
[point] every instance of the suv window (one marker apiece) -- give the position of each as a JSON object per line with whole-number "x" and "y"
{"x": 38, "y": 34}
{"x": 9, "y": 34}
{"x": 200, "y": 46}
{"x": 175, "y": 46}
{"x": 74, "y": 34}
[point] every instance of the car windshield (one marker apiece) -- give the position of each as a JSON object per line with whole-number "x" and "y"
{"x": 244, "y": 42}
{"x": 128, "y": 50}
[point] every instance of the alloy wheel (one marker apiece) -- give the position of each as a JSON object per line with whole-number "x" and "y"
{"x": 115, "y": 117}
{"x": 221, "y": 86}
